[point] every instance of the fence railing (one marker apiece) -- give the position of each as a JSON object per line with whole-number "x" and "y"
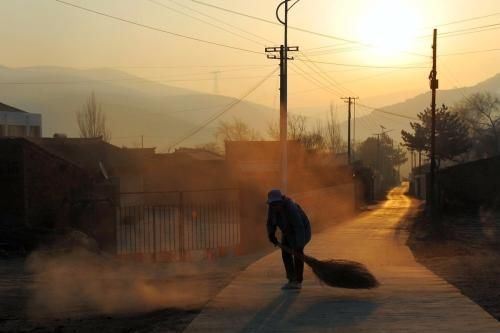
{"x": 177, "y": 228}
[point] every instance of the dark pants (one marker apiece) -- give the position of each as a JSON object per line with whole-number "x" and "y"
{"x": 294, "y": 266}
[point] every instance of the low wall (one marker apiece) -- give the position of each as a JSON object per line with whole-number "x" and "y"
{"x": 470, "y": 185}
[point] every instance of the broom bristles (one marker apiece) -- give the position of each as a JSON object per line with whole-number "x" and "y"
{"x": 342, "y": 273}
{"x": 338, "y": 272}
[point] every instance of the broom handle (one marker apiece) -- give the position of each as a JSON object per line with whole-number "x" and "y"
{"x": 290, "y": 250}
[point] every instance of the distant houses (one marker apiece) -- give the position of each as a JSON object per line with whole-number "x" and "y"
{"x": 88, "y": 184}
{"x": 18, "y": 123}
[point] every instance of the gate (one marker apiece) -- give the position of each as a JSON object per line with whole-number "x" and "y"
{"x": 195, "y": 221}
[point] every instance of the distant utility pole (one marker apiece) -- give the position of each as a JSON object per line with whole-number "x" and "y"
{"x": 216, "y": 82}
{"x": 383, "y": 131}
{"x": 354, "y": 130}
{"x": 282, "y": 51}
{"x": 434, "y": 85}
{"x": 349, "y": 100}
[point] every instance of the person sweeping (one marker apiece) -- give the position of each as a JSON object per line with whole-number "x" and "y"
{"x": 288, "y": 216}
{"x": 295, "y": 228}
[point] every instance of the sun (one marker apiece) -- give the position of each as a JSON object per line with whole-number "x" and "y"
{"x": 389, "y": 27}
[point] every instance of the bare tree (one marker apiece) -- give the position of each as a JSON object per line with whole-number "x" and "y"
{"x": 296, "y": 128}
{"x": 92, "y": 120}
{"x": 235, "y": 130}
{"x": 481, "y": 111}
{"x": 314, "y": 139}
{"x": 333, "y": 135}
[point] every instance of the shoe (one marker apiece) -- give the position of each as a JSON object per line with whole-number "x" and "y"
{"x": 292, "y": 286}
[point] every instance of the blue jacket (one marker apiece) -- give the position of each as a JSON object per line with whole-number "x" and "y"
{"x": 295, "y": 229}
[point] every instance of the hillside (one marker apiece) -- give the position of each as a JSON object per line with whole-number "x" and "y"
{"x": 133, "y": 106}
{"x": 370, "y": 123}
{"x": 163, "y": 114}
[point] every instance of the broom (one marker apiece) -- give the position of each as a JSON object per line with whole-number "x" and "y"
{"x": 338, "y": 273}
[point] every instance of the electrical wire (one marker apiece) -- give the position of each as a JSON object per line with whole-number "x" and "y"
{"x": 221, "y": 21}
{"x": 145, "y": 26}
{"x": 142, "y": 81}
{"x": 409, "y": 66}
{"x": 386, "y": 112}
{"x": 203, "y": 21}
{"x": 475, "y": 18}
{"x": 219, "y": 114}
{"x": 465, "y": 31}
{"x": 276, "y": 23}
{"x": 313, "y": 80}
{"x": 327, "y": 77}
{"x": 468, "y": 52}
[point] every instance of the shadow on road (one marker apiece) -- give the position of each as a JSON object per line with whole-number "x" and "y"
{"x": 326, "y": 312}
{"x": 332, "y": 313}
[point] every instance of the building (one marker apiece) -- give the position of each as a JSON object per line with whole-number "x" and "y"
{"x": 18, "y": 123}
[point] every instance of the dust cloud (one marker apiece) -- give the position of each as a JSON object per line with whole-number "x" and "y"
{"x": 79, "y": 282}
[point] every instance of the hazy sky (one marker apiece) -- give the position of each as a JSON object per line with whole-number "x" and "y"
{"x": 45, "y": 32}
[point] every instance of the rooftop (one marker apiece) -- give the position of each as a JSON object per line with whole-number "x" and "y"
{"x": 8, "y": 108}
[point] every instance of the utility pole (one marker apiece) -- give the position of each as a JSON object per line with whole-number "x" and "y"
{"x": 282, "y": 51}
{"x": 411, "y": 161}
{"x": 216, "y": 82}
{"x": 349, "y": 100}
{"x": 354, "y": 130}
{"x": 434, "y": 85}
{"x": 142, "y": 141}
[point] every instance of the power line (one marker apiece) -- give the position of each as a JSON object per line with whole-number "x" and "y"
{"x": 126, "y": 106}
{"x": 471, "y": 32}
{"x": 313, "y": 80}
{"x": 144, "y": 81}
{"x": 221, "y": 21}
{"x": 465, "y": 31}
{"x": 275, "y": 23}
{"x": 155, "y": 28}
{"x": 191, "y": 66}
{"x": 140, "y": 80}
{"x": 203, "y": 21}
{"x": 351, "y": 40}
{"x": 327, "y": 77}
{"x": 468, "y": 52}
{"x": 321, "y": 76}
{"x": 410, "y": 66}
{"x": 462, "y": 20}
{"x": 216, "y": 116}
{"x": 386, "y": 112}
{"x": 469, "y": 29}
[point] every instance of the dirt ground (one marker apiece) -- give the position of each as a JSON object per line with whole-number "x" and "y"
{"x": 467, "y": 254}
{"x": 85, "y": 292}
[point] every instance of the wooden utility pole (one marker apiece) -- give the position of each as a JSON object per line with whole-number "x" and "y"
{"x": 349, "y": 100}
{"x": 354, "y": 130}
{"x": 434, "y": 85}
{"x": 283, "y": 57}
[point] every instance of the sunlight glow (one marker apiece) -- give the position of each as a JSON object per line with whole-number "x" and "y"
{"x": 390, "y": 26}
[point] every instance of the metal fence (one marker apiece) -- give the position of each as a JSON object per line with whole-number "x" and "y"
{"x": 177, "y": 228}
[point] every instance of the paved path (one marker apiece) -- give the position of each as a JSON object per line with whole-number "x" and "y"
{"x": 411, "y": 298}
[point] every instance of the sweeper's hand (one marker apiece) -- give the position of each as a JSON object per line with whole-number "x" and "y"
{"x": 273, "y": 239}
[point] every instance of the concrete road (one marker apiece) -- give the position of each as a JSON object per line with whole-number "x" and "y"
{"x": 410, "y": 299}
